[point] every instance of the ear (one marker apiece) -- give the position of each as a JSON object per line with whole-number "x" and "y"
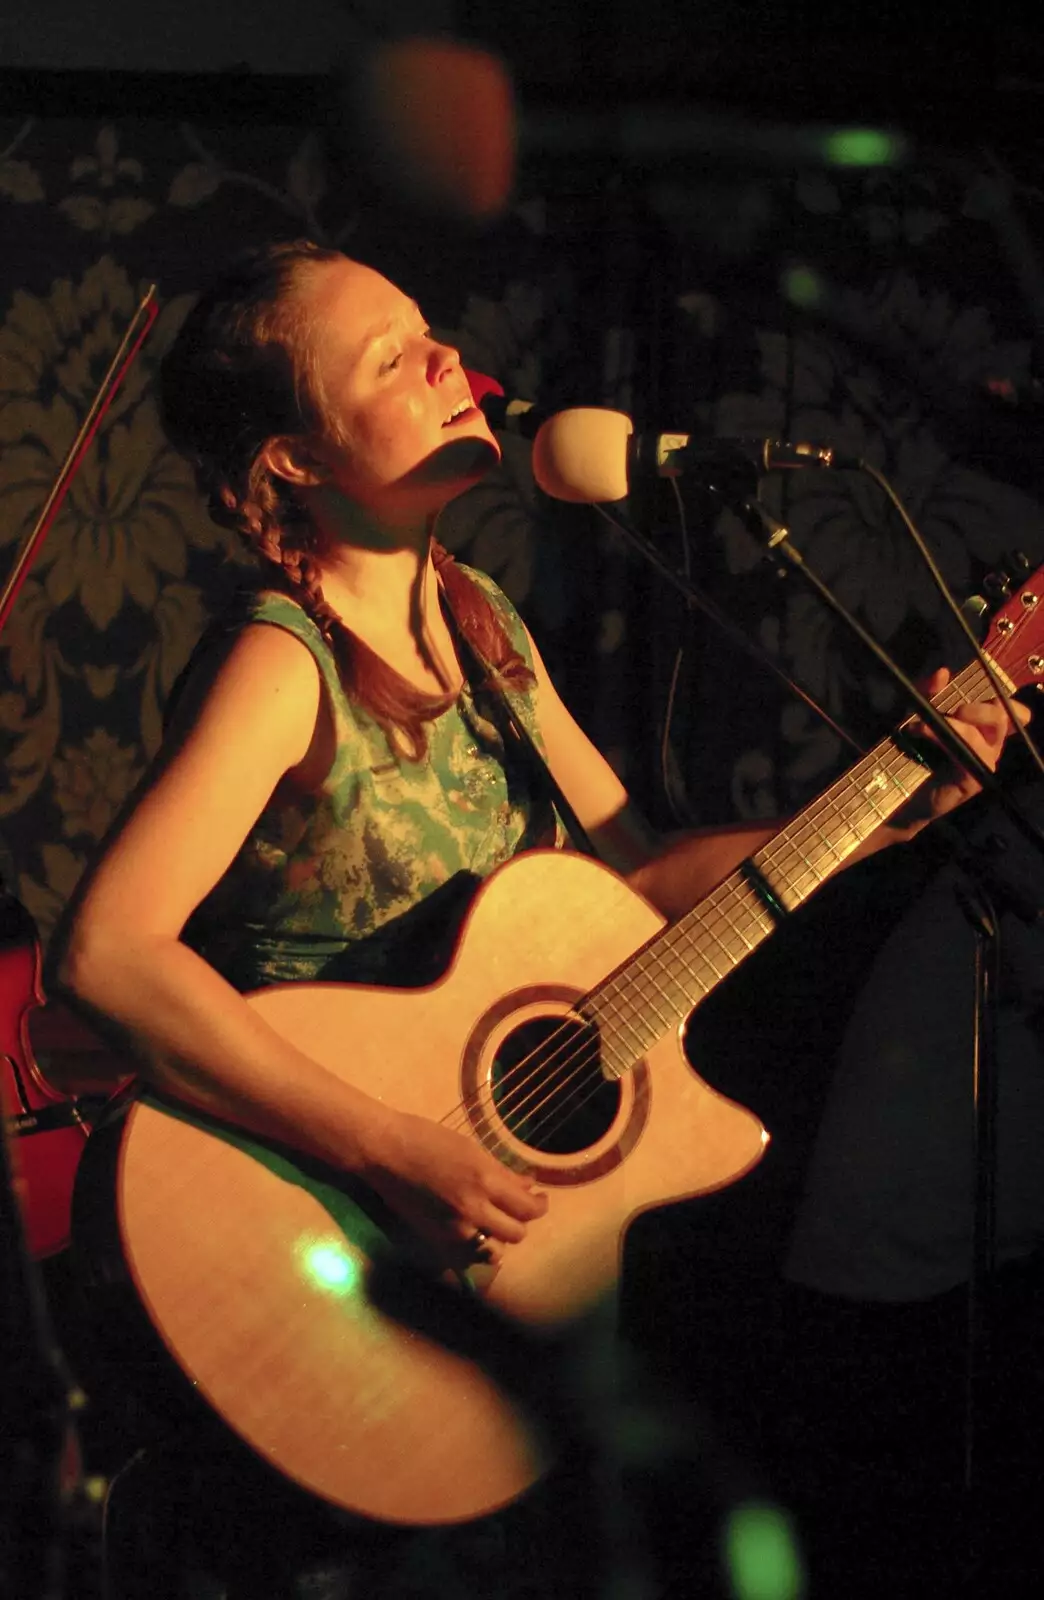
{"x": 295, "y": 460}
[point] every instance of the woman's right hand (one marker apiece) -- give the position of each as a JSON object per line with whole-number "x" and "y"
{"x": 447, "y": 1189}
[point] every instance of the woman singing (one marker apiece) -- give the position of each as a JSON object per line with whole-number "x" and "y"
{"x": 336, "y": 781}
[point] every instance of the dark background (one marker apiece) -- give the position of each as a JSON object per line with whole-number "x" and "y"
{"x": 672, "y": 181}
{"x": 679, "y": 244}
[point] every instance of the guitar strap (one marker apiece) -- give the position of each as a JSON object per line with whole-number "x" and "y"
{"x": 513, "y": 731}
{"x": 510, "y": 725}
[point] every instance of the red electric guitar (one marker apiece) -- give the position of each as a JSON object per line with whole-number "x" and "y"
{"x": 47, "y": 1128}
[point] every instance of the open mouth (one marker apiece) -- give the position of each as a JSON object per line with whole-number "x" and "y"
{"x": 466, "y": 411}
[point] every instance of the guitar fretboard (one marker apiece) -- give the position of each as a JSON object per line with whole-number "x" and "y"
{"x": 654, "y": 991}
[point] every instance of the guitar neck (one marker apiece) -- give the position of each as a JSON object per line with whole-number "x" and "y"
{"x": 653, "y": 993}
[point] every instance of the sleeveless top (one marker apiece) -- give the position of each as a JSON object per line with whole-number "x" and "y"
{"x": 368, "y": 878}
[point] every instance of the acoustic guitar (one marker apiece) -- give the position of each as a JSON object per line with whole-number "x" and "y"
{"x": 556, "y": 1038}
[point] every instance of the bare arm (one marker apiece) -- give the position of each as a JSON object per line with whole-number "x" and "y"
{"x": 675, "y": 875}
{"x": 194, "y": 1034}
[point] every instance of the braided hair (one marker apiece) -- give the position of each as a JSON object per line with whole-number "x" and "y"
{"x": 243, "y": 371}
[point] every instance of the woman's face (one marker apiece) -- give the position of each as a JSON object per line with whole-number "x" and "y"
{"x": 412, "y": 435}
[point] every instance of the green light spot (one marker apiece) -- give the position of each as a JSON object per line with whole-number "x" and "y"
{"x": 802, "y": 286}
{"x": 331, "y": 1267}
{"x": 761, "y": 1555}
{"x": 862, "y": 147}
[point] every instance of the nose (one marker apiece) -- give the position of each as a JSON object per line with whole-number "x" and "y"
{"x": 442, "y": 360}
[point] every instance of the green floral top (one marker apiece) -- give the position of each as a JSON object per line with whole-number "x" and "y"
{"x": 368, "y": 878}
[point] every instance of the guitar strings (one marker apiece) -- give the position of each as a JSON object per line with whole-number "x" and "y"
{"x": 572, "y": 1069}
{"x": 582, "y": 1059}
{"x": 560, "y": 1069}
{"x": 530, "y": 1076}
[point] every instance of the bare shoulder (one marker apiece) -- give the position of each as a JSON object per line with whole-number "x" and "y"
{"x": 262, "y": 681}
{"x": 247, "y": 716}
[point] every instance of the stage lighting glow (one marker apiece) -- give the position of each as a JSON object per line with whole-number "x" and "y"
{"x": 329, "y": 1265}
{"x": 863, "y": 147}
{"x": 761, "y": 1554}
{"x": 802, "y": 286}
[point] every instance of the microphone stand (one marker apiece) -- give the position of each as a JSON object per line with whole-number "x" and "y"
{"x": 984, "y": 894}
{"x": 978, "y": 906}
{"x": 701, "y": 602}
{"x": 789, "y": 559}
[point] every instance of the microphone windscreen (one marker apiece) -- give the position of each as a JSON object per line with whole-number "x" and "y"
{"x": 437, "y": 120}
{"x": 581, "y": 455}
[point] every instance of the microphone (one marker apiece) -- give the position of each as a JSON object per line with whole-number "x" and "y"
{"x": 675, "y": 453}
{"x": 523, "y": 417}
{"x": 589, "y": 455}
{"x": 511, "y": 415}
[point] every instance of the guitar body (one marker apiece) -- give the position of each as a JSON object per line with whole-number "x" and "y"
{"x": 255, "y": 1273}
{"x": 555, "y": 1038}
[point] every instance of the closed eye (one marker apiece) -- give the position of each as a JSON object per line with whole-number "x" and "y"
{"x": 395, "y": 361}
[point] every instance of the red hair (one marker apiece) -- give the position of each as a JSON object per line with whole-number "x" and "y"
{"x": 401, "y": 709}
{"x": 242, "y": 371}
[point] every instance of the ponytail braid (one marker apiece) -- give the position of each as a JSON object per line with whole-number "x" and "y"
{"x": 241, "y": 372}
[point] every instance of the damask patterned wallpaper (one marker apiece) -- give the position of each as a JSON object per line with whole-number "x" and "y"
{"x": 879, "y": 308}
{"x": 888, "y": 311}
{"x": 91, "y": 211}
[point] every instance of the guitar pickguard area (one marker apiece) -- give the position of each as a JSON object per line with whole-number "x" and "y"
{"x": 535, "y": 1093}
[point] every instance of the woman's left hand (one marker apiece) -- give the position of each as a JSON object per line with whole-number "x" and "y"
{"x": 984, "y": 726}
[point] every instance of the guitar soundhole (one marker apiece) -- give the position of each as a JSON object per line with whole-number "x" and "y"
{"x": 548, "y": 1085}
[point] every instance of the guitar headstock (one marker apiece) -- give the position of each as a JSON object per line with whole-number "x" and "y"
{"x": 1015, "y": 638}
